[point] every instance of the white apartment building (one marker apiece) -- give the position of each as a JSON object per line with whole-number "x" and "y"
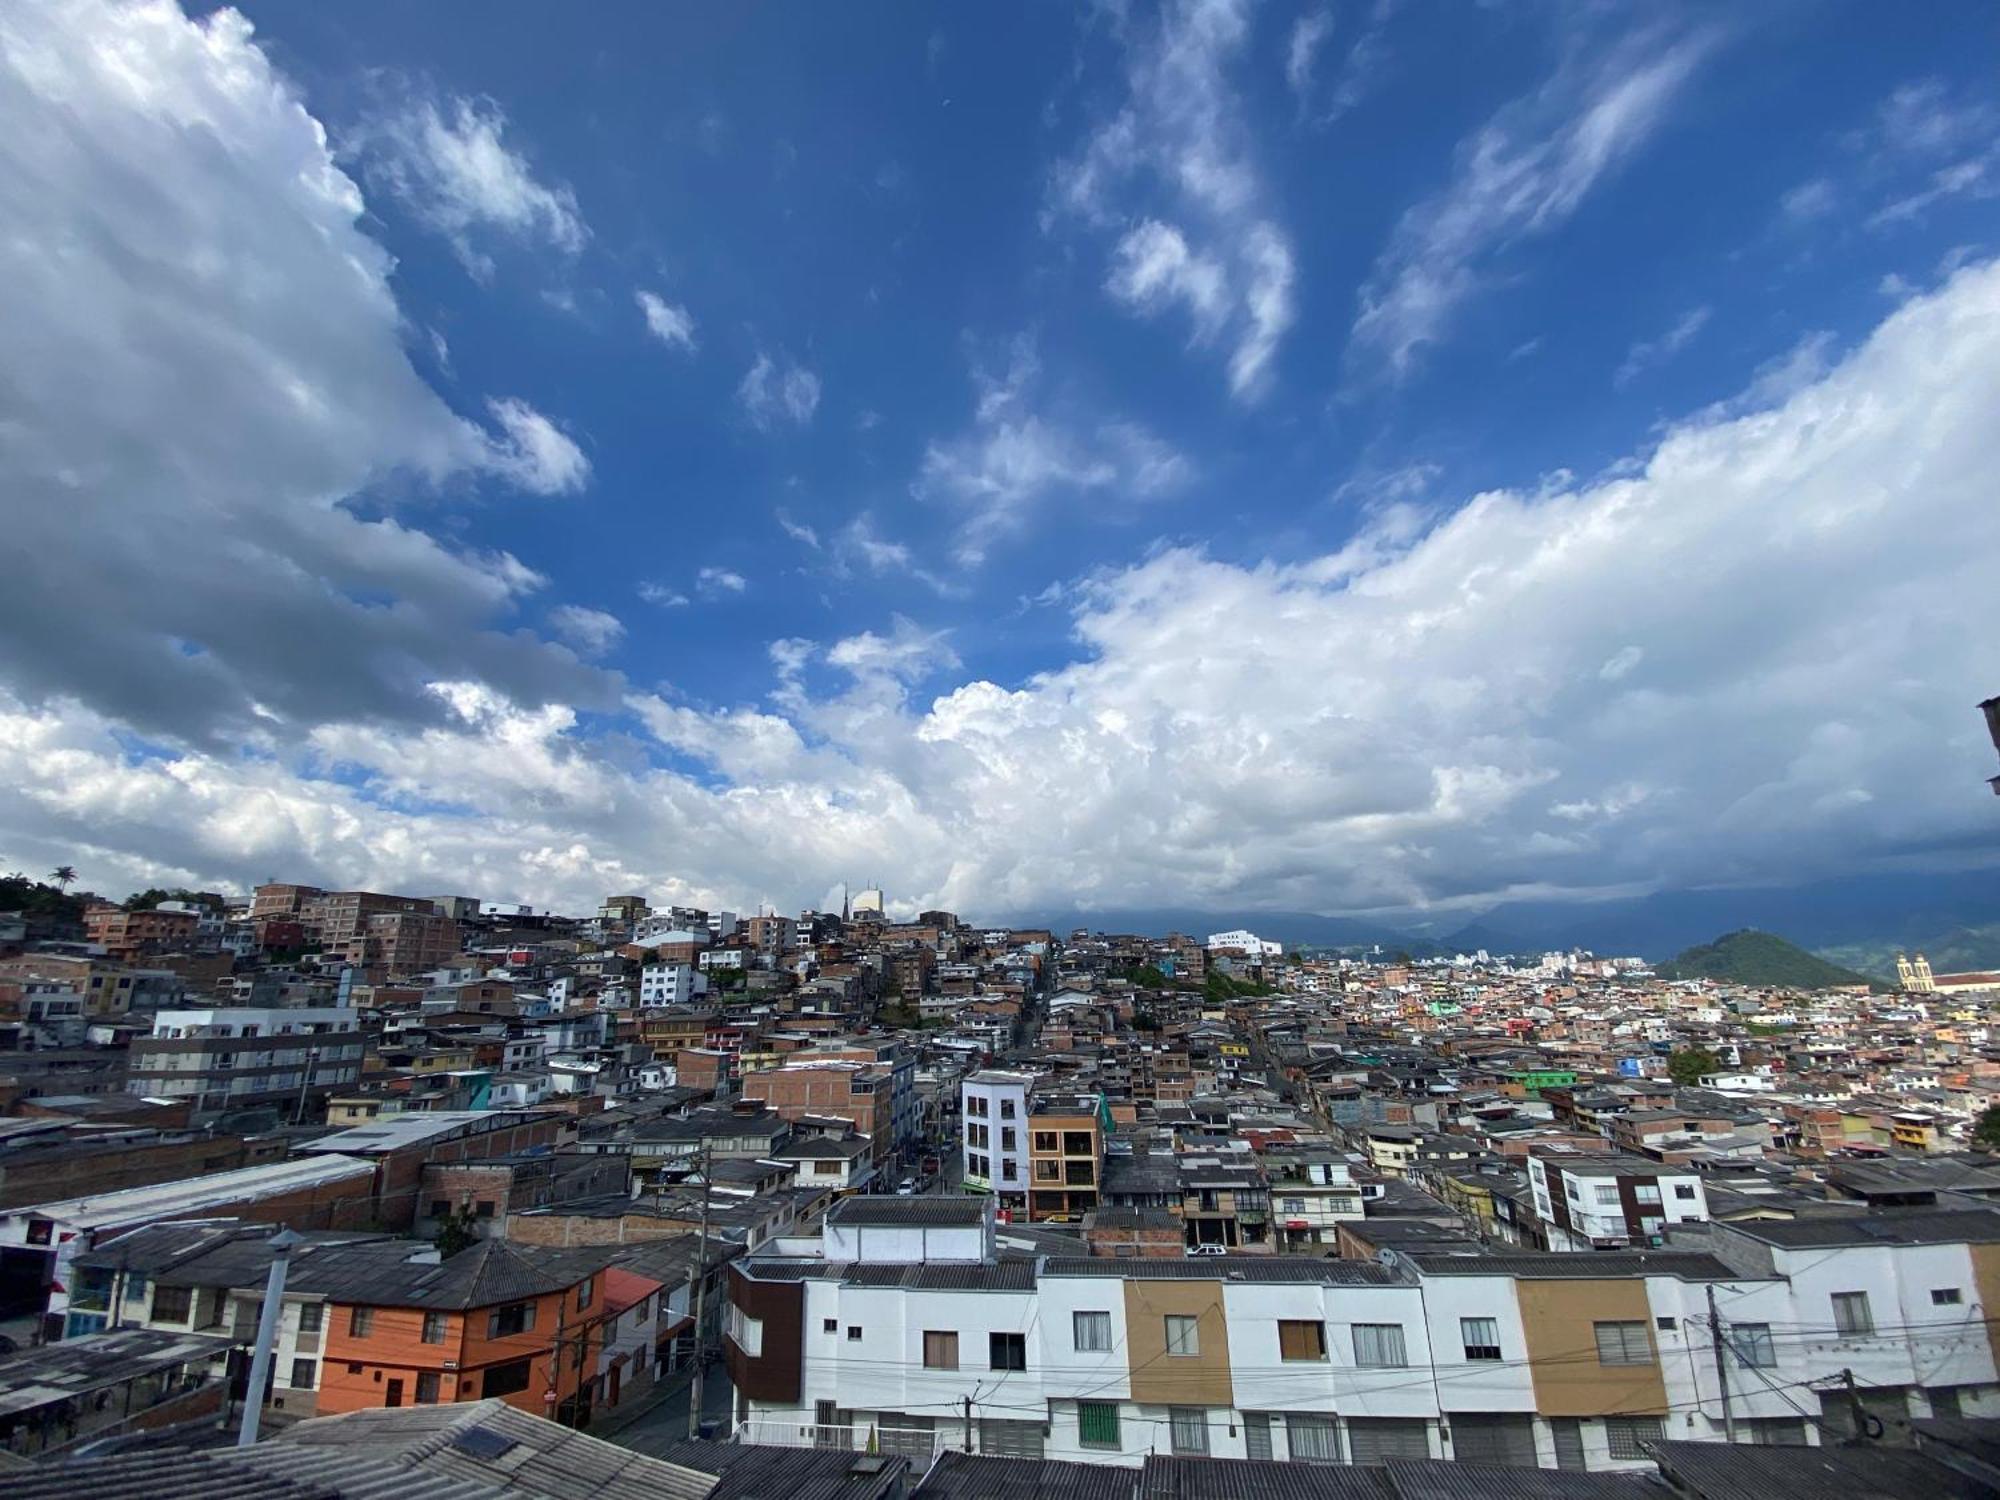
{"x": 1589, "y": 1202}
{"x": 993, "y": 1124}
{"x": 233, "y": 1056}
{"x": 671, "y": 984}
{"x": 1560, "y": 1361}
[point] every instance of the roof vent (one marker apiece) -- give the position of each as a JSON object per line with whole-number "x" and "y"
{"x": 869, "y": 1463}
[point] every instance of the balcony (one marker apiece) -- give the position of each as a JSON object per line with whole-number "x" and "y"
{"x": 922, "y": 1443}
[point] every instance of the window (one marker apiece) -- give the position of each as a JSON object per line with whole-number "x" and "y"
{"x": 427, "y": 1387}
{"x": 1256, "y": 1434}
{"x": 1946, "y": 1296}
{"x": 1007, "y": 1173}
{"x": 829, "y": 1325}
{"x": 1007, "y": 1351}
{"x": 1183, "y": 1337}
{"x": 940, "y": 1350}
{"x": 1312, "y": 1438}
{"x": 433, "y": 1328}
{"x": 1379, "y": 1346}
{"x": 1684, "y": 1191}
{"x": 1607, "y": 1195}
{"x": 1301, "y": 1340}
{"x": 1944, "y": 1401}
{"x": 1481, "y": 1337}
{"x": 1006, "y": 1109}
{"x": 172, "y": 1304}
{"x": 311, "y": 1315}
{"x": 1097, "y": 1424}
{"x": 360, "y": 1322}
{"x": 482, "y": 1210}
{"x": 1568, "y": 1433}
{"x": 853, "y": 1333}
{"x": 1623, "y": 1344}
{"x": 504, "y": 1380}
{"x": 1647, "y": 1192}
{"x": 585, "y": 1291}
{"x": 1007, "y": 1142}
{"x": 1778, "y": 1432}
{"x": 1626, "y": 1433}
{"x": 1045, "y": 1140}
{"x": 440, "y": 1207}
{"x": 1189, "y": 1427}
{"x": 1294, "y": 1205}
{"x": 1048, "y": 1171}
{"x": 976, "y": 1105}
{"x": 303, "y": 1371}
{"x": 1753, "y": 1346}
{"x": 1850, "y": 1313}
{"x": 1091, "y": 1332}
{"x": 505, "y": 1322}
{"x": 745, "y": 1332}
{"x": 1666, "y": 1325}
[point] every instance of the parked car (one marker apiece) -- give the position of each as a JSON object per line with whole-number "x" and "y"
{"x": 907, "y": 1188}
{"x": 1208, "y": 1249}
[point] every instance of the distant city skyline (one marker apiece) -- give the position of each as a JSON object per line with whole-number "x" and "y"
{"x": 1224, "y": 457}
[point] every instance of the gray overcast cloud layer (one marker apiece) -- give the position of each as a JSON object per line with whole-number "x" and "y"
{"x": 1749, "y": 653}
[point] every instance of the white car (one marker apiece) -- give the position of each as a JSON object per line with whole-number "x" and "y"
{"x": 1208, "y": 1249}
{"x": 907, "y": 1188}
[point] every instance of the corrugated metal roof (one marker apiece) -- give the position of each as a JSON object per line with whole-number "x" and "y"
{"x": 1880, "y": 1227}
{"x": 489, "y": 1442}
{"x": 968, "y": 1476}
{"x": 36, "y": 1377}
{"x": 947, "y": 1276}
{"x": 748, "y": 1472}
{"x": 1688, "y": 1265}
{"x": 1434, "y": 1479}
{"x": 1716, "y": 1471}
{"x": 929, "y": 1212}
{"x": 1258, "y": 1479}
{"x": 1260, "y": 1268}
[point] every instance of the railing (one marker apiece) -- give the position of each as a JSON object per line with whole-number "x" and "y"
{"x": 855, "y": 1437}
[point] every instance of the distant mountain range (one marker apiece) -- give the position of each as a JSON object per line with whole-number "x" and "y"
{"x": 1752, "y": 957}
{"x": 1858, "y": 922}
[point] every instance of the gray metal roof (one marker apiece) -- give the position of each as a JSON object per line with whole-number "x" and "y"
{"x": 749, "y": 1472}
{"x": 1977, "y": 1226}
{"x": 491, "y": 1272}
{"x": 35, "y": 1377}
{"x": 1688, "y": 1265}
{"x": 1717, "y": 1471}
{"x": 265, "y": 1472}
{"x": 490, "y": 1443}
{"x": 1165, "y": 1478}
{"x": 1261, "y": 1268}
{"x": 929, "y": 1212}
{"x": 968, "y": 1476}
{"x": 1436, "y": 1479}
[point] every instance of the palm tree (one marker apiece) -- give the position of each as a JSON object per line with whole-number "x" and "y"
{"x": 64, "y": 876}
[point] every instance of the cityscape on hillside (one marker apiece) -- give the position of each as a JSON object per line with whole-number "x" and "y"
{"x": 732, "y": 1192}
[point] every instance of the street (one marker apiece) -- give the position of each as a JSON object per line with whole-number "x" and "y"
{"x": 664, "y": 1423}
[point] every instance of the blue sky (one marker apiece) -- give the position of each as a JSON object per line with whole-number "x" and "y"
{"x": 730, "y": 449}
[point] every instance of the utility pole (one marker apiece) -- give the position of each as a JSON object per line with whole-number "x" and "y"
{"x": 700, "y": 1302}
{"x": 281, "y": 1245}
{"x": 968, "y": 1424}
{"x": 305, "y": 1083}
{"x": 1721, "y": 1366}
{"x": 1862, "y": 1418}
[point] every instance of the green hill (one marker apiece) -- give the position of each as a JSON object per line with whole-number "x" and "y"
{"x": 1752, "y": 957}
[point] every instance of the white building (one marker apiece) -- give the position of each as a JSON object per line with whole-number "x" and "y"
{"x": 1242, "y": 940}
{"x": 671, "y": 984}
{"x": 993, "y": 1123}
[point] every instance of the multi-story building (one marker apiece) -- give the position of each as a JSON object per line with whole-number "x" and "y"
{"x": 1604, "y": 1202}
{"x": 1225, "y": 1203}
{"x": 993, "y": 1114}
{"x": 127, "y": 934}
{"x": 670, "y": 984}
{"x": 1065, "y": 1156}
{"x": 405, "y": 942}
{"x": 333, "y": 920}
{"x": 246, "y": 1055}
{"x": 275, "y": 902}
{"x": 831, "y": 1088}
{"x": 902, "y": 1335}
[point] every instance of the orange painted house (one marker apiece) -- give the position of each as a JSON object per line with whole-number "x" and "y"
{"x": 520, "y": 1323}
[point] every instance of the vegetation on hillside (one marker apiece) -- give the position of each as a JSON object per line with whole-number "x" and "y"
{"x": 39, "y": 901}
{"x": 1690, "y": 1065}
{"x": 1760, "y": 958}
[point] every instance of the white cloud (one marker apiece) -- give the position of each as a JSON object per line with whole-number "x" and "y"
{"x": 661, "y": 596}
{"x": 1179, "y": 135}
{"x": 715, "y": 581}
{"x": 1812, "y": 199}
{"x": 1487, "y": 706}
{"x": 771, "y": 393}
{"x": 535, "y": 454}
{"x": 591, "y": 631}
{"x": 447, "y": 162}
{"x": 1520, "y": 175}
{"x": 798, "y": 531}
{"x": 1309, "y": 34}
{"x": 203, "y": 361}
{"x": 672, "y": 325}
{"x": 1647, "y": 353}
{"x": 1013, "y": 458}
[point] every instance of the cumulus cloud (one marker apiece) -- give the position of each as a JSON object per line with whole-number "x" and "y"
{"x": 1178, "y": 137}
{"x": 1523, "y": 173}
{"x": 772, "y": 392}
{"x": 1309, "y": 33}
{"x": 1013, "y": 457}
{"x": 661, "y": 596}
{"x": 203, "y": 363}
{"x": 714, "y": 581}
{"x": 448, "y": 163}
{"x": 1491, "y": 705}
{"x": 533, "y": 452}
{"x": 592, "y": 632}
{"x": 671, "y": 324}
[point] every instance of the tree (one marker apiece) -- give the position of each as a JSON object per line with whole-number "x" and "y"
{"x": 63, "y": 877}
{"x": 1986, "y": 1129}
{"x": 1687, "y": 1066}
{"x": 457, "y": 1231}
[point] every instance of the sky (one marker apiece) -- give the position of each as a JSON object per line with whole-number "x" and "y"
{"x": 1355, "y": 457}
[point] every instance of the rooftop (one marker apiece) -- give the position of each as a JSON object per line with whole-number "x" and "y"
{"x": 35, "y": 1377}
{"x": 929, "y": 1212}
{"x": 1978, "y": 1226}
{"x": 195, "y": 1195}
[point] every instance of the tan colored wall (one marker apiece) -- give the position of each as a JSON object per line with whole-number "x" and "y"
{"x": 1177, "y": 1379}
{"x": 1986, "y": 1286}
{"x": 1556, "y": 1318}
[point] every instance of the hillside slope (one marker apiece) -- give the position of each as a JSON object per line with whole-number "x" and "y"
{"x": 1753, "y": 957}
